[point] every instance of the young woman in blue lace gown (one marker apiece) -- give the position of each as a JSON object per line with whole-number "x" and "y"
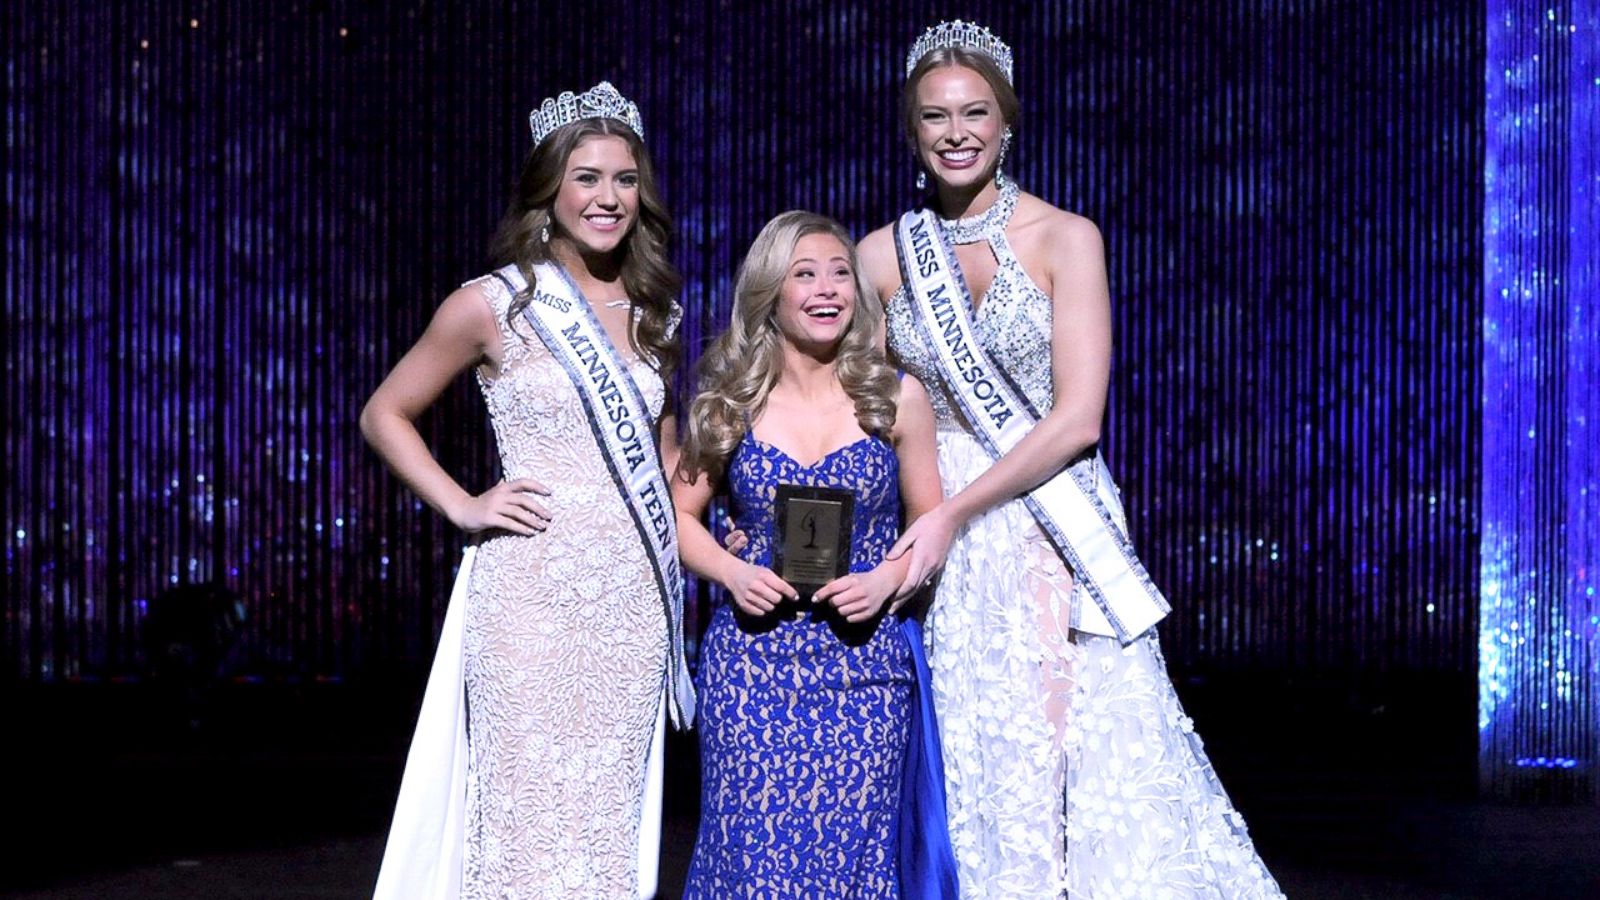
{"x": 806, "y": 705}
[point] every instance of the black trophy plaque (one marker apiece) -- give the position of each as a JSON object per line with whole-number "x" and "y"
{"x": 813, "y": 535}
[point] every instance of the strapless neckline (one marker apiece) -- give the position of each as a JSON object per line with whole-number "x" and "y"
{"x": 750, "y": 435}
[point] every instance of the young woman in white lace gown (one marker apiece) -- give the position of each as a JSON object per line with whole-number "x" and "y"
{"x": 565, "y": 632}
{"x": 1071, "y": 769}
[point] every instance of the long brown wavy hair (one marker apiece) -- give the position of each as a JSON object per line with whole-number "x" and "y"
{"x": 650, "y": 279}
{"x": 740, "y": 368}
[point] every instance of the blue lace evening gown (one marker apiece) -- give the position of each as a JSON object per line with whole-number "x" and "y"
{"x": 804, "y": 718}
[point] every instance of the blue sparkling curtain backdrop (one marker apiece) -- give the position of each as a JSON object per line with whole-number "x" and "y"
{"x": 226, "y": 220}
{"x": 1539, "y": 685}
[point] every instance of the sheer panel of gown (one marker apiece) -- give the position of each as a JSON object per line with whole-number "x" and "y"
{"x": 1070, "y": 767}
{"x": 565, "y": 651}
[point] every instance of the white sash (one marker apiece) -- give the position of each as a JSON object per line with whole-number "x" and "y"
{"x": 1068, "y": 506}
{"x": 624, "y": 430}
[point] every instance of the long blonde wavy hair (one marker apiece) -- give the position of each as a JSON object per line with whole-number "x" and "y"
{"x": 741, "y": 367}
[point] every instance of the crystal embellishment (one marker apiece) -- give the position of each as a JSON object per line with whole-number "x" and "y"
{"x": 982, "y": 226}
{"x": 961, "y": 34}
{"x": 603, "y": 101}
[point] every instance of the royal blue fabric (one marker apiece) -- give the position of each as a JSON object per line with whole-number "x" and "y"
{"x": 927, "y": 861}
{"x": 806, "y": 720}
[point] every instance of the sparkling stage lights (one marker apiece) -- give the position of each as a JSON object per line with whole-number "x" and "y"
{"x": 1539, "y": 641}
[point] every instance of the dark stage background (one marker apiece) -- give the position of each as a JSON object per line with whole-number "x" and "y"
{"x": 225, "y": 220}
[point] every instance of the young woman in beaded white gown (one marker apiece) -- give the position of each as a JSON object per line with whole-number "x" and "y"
{"x": 565, "y": 641}
{"x": 1070, "y": 766}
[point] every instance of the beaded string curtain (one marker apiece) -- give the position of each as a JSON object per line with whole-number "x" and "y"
{"x": 225, "y": 220}
{"x": 1539, "y": 650}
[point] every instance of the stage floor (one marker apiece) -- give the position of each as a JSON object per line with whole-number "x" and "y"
{"x": 1499, "y": 852}
{"x": 123, "y": 792}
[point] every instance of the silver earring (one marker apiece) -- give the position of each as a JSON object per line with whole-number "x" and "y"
{"x": 1005, "y": 147}
{"x": 922, "y": 179}
{"x": 544, "y": 234}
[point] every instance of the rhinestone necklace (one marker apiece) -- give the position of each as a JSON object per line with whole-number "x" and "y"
{"x": 978, "y": 227}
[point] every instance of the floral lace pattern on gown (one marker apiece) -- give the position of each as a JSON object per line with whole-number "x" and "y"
{"x": 803, "y": 717}
{"x": 565, "y": 650}
{"x": 1070, "y": 767}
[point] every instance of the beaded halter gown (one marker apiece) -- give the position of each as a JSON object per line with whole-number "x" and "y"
{"x": 565, "y": 650}
{"x": 1031, "y": 711}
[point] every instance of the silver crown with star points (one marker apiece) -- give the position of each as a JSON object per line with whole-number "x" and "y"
{"x": 603, "y": 101}
{"x": 961, "y": 34}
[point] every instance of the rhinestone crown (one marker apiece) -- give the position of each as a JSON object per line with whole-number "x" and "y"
{"x": 603, "y": 101}
{"x": 961, "y": 34}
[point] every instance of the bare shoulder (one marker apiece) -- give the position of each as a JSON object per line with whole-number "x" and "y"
{"x": 914, "y": 411}
{"x": 879, "y": 240}
{"x": 467, "y": 314}
{"x": 470, "y": 301}
{"x": 1056, "y": 231}
{"x": 1076, "y": 234}
{"x": 912, "y": 390}
{"x": 878, "y": 260}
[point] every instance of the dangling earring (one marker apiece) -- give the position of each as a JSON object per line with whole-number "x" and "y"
{"x": 922, "y": 179}
{"x": 1005, "y": 147}
{"x": 544, "y": 233}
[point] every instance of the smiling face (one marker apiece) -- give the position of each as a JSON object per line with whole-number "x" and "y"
{"x": 959, "y": 125}
{"x": 818, "y": 297}
{"x": 598, "y": 200}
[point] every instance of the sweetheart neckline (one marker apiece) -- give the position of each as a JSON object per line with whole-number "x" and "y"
{"x": 820, "y": 460}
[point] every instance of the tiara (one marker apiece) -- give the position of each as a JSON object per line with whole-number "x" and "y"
{"x": 961, "y": 34}
{"x": 599, "y": 102}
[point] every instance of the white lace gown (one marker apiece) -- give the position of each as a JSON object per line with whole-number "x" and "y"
{"x": 1070, "y": 767}
{"x": 564, "y": 651}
